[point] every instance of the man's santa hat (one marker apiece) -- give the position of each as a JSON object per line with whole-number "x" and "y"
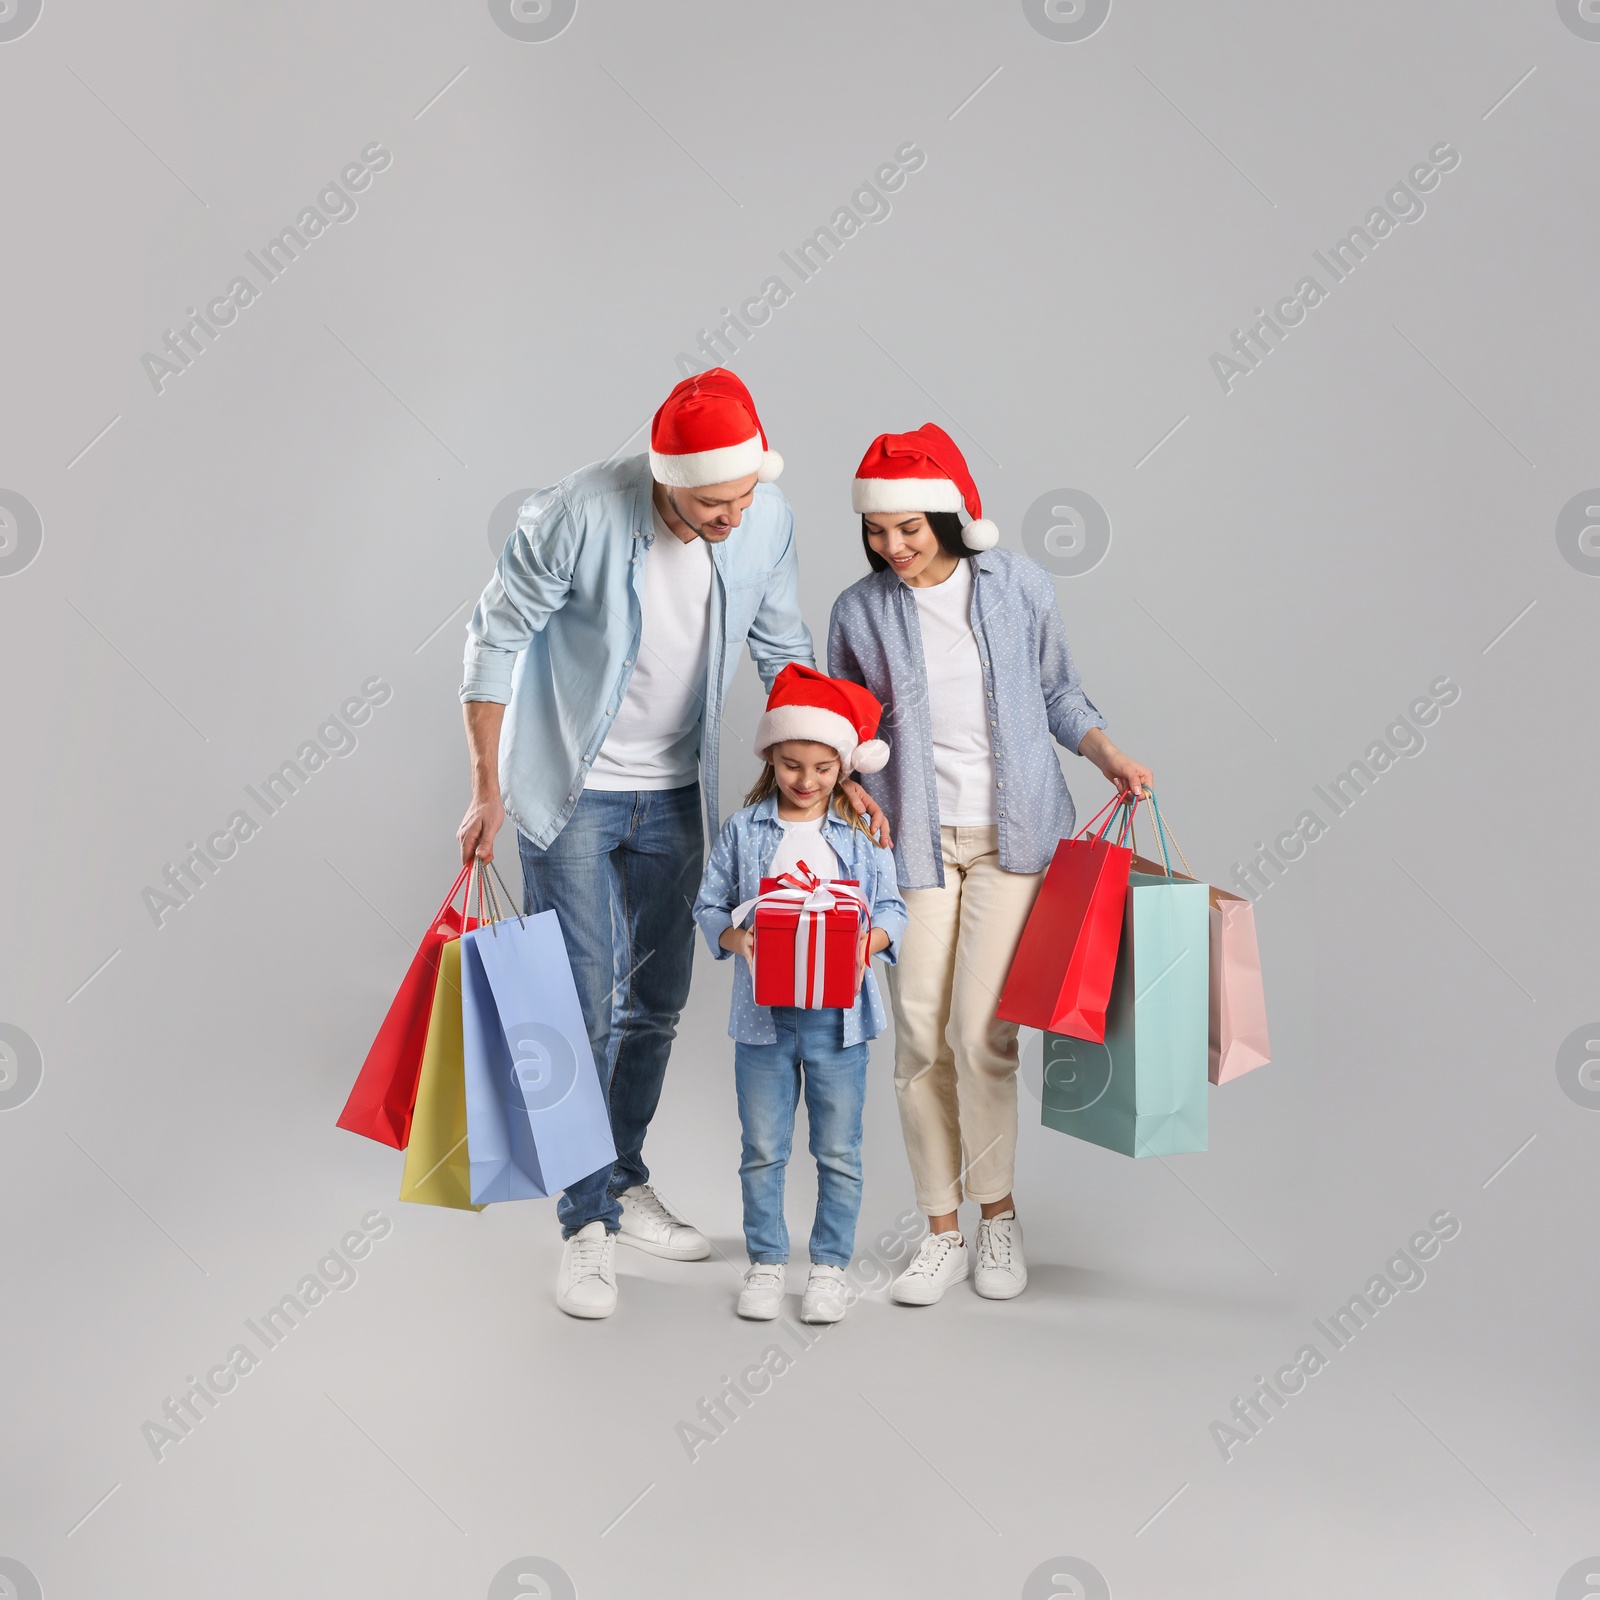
{"x": 807, "y": 704}
{"x": 707, "y": 431}
{"x": 921, "y": 471}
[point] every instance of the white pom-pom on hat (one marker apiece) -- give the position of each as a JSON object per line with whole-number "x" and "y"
{"x": 980, "y": 534}
{"x": 771, "y": 466}
{"x": 872, "y": 755}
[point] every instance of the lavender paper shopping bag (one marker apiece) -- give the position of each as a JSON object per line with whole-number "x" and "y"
{"x": 536, "y": 1114}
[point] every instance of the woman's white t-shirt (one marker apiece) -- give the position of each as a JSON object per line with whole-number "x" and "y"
{"x": 803, "y": 841}
{"x": 963, "y": 752}
{"x": 654, "y": 741}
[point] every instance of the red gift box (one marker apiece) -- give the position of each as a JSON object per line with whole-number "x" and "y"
{"x": 807, "y": 940}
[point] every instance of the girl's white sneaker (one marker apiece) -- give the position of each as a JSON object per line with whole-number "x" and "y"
{"x": 1002, "y": 1271}
{"x": 762, "y": 1297}
{"x": 824, "y": 1299}
{"x": 941, "y": 1261}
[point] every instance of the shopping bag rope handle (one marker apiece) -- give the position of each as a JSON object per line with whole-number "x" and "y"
{"x": 1167, "y": 833}
{"x": 511, "y": 899}
{"x": 1127, "y": 803}
{"x": 495, "y": 915}
{"x": 449, "y": 899}
{"x": 1116, "y": 800}
{"x": 1133, "y": 834}
{"x": 486, "y": 897}
{"x": 1163, "y": 833}
{"x": 1125, "y": 828}
{"x": 499, "y": 912}
{"x": 1120, "y": 816}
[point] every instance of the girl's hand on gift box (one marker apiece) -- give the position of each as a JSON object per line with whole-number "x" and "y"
{"x": 741, "y": 941}
{"x": 872, "y": 941}
{"x": 1126, "y": 773}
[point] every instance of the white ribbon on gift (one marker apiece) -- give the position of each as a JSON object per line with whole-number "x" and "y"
{"x": 807, "y": 893}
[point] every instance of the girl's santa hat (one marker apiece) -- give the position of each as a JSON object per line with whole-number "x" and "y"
{"x": 921, "y": 471}
{"x": 807, "y": 704}
{"x": 707, "y": 431}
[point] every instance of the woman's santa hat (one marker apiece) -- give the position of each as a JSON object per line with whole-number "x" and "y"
{"x": 807, "y": 704}
{"x": 921, "y": 471}
{"x": 707, "y": 431}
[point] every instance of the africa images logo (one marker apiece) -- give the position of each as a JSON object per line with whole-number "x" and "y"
{"x": 1066, "y": 1578}
{"x": 16, "y": 17}
{"x": 532, "y": 21}
{"x": 1578, "y": 532}
{"x": 197, "y": 331}
{"x": 1067, "y": 532}
{"x": 544, "y": 1066}
{"x": 21, "y": 1068}
{"x": 1257, "y": 340}
{"x": 1076, "y": 1073}
{"x": 21, "y": 531}
{"x": 1066, "y": 21}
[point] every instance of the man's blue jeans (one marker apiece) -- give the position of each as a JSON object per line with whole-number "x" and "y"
{"x": 769, "y": 1079}
{"x": 622, "y": 877}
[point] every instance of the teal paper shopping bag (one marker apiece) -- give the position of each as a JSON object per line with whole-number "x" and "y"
{"x": 1143, "y": 1092}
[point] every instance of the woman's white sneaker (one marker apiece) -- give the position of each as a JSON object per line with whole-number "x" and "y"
{"x": 762, "y": 1296}
{"x": 649, "y": 1225}
{"x": 824, "y": 1299}
{"x": 587, "y": 1283}
{"x": 1002, "y": 1271}
{"x": 941, "y": 1261}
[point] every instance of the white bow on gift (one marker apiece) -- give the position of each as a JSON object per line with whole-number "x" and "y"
{"x": 807, "y": 893}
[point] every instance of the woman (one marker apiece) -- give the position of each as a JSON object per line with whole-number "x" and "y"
{"x": 965, "y": 647}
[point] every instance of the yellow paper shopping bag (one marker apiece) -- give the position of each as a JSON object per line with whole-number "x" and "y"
{"x": 438, "y": 1172}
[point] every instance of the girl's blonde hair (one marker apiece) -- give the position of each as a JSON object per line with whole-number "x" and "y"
{"x": 767, "y": 785}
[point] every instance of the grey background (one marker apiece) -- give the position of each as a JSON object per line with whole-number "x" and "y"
{"x": 304, "y": 507}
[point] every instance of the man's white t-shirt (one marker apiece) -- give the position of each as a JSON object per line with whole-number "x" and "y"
{"x": 654, "y": 742}
{"x": 803, "y": 841}
{"x": 963, "y": 756}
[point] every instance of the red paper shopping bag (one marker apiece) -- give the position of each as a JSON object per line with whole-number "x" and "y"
{"x": 1060, "y": 977}
{"x": 808, "y": 940}
{"x": 385, "y": 1090}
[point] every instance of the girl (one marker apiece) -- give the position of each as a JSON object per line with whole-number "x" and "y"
{"x": 965, "y": 646}
{"x": 814, "y": 732}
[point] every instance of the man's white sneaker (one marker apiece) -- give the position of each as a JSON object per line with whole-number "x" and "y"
{"x": 824, "y": 1299}
{"x": 648, "y": 1225}
{"x": 941, "y": 1261}
{"x": 762, "y": 1297}
{"x": 1002, "y": 1272}
{"x": 587, "y": 1283}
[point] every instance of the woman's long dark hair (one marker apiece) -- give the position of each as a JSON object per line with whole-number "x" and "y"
{"x": 946, "y": 527}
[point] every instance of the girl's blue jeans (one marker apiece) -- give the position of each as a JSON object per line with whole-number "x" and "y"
{"x": 808, "y": 1056}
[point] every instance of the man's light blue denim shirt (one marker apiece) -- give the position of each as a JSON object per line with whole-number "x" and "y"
{"x": 556, "y": 632}
{"x": 742, "y": 857}
{"x": 1031, "y": 688}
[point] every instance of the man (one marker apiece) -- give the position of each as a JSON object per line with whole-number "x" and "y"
{"x": 611, "y": 628}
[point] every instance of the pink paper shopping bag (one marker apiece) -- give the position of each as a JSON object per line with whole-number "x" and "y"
{"x": 1238, "y": 1001}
